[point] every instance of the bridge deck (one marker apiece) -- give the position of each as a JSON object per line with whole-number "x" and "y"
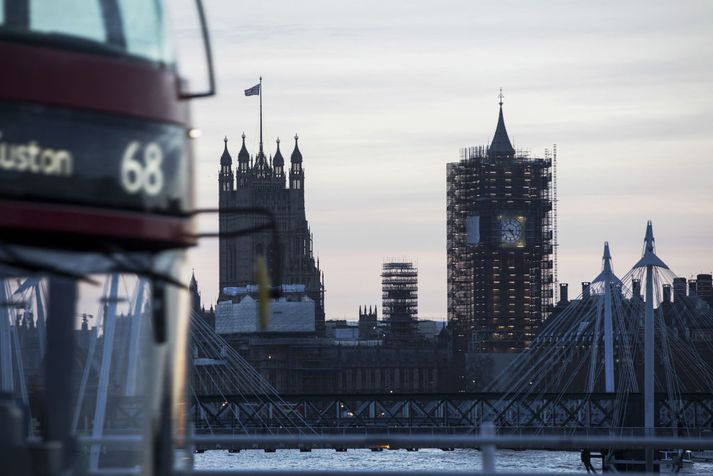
{"x": 460, "y": 413}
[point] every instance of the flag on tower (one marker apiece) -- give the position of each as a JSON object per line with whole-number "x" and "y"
{"x": 254, "y": 91}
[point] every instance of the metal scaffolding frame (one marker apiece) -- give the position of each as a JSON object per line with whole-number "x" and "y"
{"x": 399, "y": 292}
{"x": 499, "y": 293}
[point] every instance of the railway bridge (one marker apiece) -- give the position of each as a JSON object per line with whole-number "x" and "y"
{"x": 456, "y": 413}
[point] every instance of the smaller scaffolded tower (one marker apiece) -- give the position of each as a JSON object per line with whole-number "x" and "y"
{"x": 399, "y": 289}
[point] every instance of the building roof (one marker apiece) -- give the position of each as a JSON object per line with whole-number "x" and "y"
{"x": 501, "y": 146}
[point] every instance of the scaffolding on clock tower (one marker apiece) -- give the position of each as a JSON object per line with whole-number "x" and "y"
{"x": 500, "y": 289}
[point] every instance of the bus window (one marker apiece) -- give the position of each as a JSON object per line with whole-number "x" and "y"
{"x": 84, "y": 21}
{"x": 126, "y": 27}
{"x": 144, "y": 28}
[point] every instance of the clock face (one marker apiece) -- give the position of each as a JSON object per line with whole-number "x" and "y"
{"x": 510, "y": 230}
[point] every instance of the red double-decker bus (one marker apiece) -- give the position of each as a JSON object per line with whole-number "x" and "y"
{"x": 95, "y": 187}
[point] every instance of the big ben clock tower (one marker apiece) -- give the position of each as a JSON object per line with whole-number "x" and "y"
{"x": 500, "y": 245}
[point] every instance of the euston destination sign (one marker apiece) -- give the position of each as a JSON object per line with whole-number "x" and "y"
{"x": 63, "y": 156}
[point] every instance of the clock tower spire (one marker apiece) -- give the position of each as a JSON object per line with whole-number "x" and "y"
{"x": 501, "y": 145}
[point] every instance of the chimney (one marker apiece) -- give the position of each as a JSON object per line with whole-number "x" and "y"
{"x": 585, "y": 289}
{"x": 564, "y": 298}
{"x": 704, "y": 286}
{"x": 636, "y": 288}
{"x": 691, "y": 287}
{"x": 666, "y": 293}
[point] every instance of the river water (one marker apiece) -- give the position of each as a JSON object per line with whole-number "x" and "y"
{"x": 400, "y": 460}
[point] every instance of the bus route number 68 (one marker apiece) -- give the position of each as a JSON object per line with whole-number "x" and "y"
{"x": 139, "y": 176}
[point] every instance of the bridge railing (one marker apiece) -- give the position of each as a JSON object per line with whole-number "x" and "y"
{"x": 531, "y": 431}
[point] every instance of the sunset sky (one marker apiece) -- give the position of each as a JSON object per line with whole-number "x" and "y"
{"x": 384, "y": 94}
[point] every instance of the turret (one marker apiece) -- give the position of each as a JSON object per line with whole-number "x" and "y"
{"x": 243, "y": 164}
{"x": 195, "y": 294}
{"x": 278, "y": 162}
{"x": 226, "y": 170}
{"x": 296, "y": 171}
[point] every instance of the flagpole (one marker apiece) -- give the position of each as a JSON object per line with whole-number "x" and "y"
{"x": 260, "y": 115}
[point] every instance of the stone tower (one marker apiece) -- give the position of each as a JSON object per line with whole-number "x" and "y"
{"x": 259, "y": 182}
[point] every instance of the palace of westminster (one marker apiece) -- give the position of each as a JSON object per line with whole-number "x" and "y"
{"x": 501, "y": 234}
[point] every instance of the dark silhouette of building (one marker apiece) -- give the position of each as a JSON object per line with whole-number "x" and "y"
{"x": 399, "y": 305}
{"x": 704, "y": 287}
{"x": 500, "y": 246}
{"x": 564, "y": 294}
{"x": 195, "y": 293}
{"x": 691, "y": 287}
{"x": 261, "y": 182}
{"x": 679, "y": 287}
{"x": 313, "y": 366}
{"x": 196, "y": 303}
{"x": 368, "y": 324}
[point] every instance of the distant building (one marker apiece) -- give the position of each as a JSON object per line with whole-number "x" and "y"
{"x": 368, "y": 325}
{"x": 399, "y": 291}
{"x": 196, "y": 304}
{"x": 692, "y": 287}
{"x": 563, "y": 296}
{"x": 679, "y": 288}
{"x": 500, "y": 246}
{"x": 261, "y": 182}
{"x": 353, "y": 357}
{"x": 312, "y": 366}
{"x": 704, "y": 287}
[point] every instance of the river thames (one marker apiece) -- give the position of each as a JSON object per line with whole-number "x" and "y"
{"x": 400, "y": 460}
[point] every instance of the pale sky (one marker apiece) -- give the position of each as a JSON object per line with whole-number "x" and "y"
{"x": 384, "y": 94}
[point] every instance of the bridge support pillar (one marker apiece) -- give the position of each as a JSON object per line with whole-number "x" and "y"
{"x": 488, "y": 451}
